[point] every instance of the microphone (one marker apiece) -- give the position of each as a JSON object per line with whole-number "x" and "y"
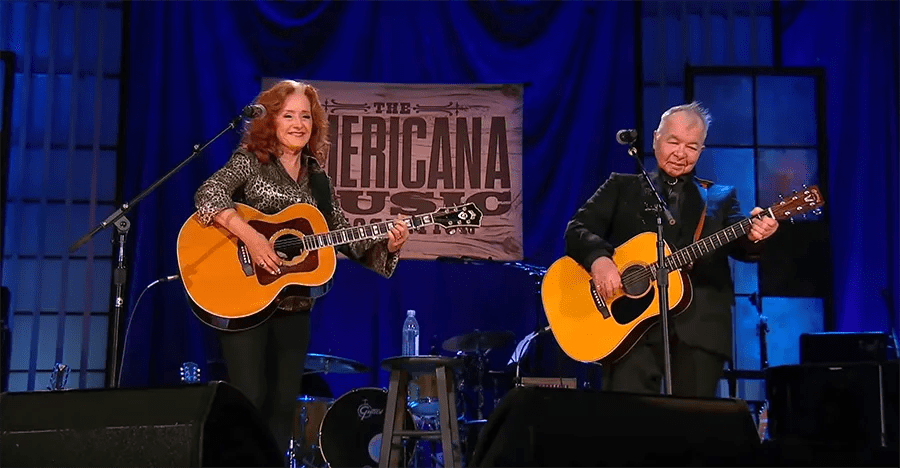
{"x": 253, "y": 111}
{"x": 626, "y": 136}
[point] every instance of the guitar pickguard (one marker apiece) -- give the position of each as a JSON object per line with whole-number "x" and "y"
{"x": 626, "y": 309}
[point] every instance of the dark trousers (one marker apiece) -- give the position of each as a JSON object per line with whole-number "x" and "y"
{"x": 695, "y": 372}
{"x": 266, "y": 363}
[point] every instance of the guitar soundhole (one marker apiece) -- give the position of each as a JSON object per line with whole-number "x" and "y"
{"x": 289, "y": 247}
{"x": 636, "y": 280}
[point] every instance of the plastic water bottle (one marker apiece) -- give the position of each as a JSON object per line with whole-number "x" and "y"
{"x": 410, "y": 334}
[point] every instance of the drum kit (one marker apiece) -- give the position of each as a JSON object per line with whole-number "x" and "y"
{"x": 346, "y": 431}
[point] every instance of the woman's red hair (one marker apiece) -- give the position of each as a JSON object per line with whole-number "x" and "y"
{"x": 259, "y": 134}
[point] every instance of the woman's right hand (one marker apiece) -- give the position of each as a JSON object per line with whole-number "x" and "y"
{"x": 607, "y": 279}
{"x": 263, "y": 254}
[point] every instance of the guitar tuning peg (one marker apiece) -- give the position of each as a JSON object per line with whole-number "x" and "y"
{"x": 795, "y": 192}
{"x": 793, "y": 221}
{"x": 781, "y": 196}
{"x": 451, "y": 231}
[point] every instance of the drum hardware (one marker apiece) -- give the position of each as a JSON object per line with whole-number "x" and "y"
{"x": 479, "y": 343}
{"x": 332, "y": 365}
{"x": 304, "y": 450}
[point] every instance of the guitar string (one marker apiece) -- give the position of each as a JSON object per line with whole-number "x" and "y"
{"x": 636, "y": 277}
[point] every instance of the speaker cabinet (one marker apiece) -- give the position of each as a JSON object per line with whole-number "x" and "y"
{"x": 193, "y": 425}
{"x": 841, "y": 407}
{"x": 567, "y": 427}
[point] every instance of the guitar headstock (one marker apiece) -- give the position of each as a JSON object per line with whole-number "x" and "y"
{"x": 805, "y": 201}
{"x": 452, "y": 217}
{"x": 190, "y": 372}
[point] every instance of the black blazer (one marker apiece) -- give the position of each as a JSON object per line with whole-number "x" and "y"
{"x": 622, "y": 208}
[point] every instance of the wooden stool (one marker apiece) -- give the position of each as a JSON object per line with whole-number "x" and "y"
{"x": 395, "y": 430}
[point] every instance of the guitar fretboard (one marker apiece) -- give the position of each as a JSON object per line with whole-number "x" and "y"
{"x": 685, "y": 256}
{"x": 357, "y": 233}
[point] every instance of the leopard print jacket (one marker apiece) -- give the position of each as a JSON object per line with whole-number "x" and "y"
{"x": 269, "y": 188}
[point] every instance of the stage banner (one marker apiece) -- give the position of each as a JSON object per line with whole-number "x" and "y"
{"x": 414, "y": 148}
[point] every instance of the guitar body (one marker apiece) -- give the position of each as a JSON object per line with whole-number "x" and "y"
{"x": 227, "y": 290}
{"x": 590, "y": 329}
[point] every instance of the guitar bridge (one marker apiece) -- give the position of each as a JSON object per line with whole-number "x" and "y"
{"x": 599, "y": 303}
{"x": 244, "y": 259}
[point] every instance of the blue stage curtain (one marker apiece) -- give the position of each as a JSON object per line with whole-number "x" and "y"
{"x": 857, "y": 45}
{"x": 191, "y": 66}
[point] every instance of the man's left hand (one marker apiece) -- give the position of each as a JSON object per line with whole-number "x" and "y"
{"x": 761, "y": 228}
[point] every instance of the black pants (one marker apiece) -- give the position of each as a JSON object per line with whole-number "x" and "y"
{"x": 695, "y": 372}
{"x": 266, "y": 364}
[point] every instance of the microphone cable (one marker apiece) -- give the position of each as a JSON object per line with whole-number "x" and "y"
{"x": 131, "y": 317}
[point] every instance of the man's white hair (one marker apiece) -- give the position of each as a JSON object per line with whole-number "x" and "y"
{"x": 695, "y": 108}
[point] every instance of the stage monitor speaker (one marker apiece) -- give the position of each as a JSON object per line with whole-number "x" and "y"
{"x": 839, "y": 347}
{"x": 193, "y": 425}
{"x": 565, "y": 427}
{"x": 845, "y": 408}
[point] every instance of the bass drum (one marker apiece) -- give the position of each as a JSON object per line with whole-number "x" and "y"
{"x": 350, "y": 435}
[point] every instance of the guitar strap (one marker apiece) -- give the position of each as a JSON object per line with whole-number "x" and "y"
{"x": 318, "y": 184}
{"x": 703, "y": 184}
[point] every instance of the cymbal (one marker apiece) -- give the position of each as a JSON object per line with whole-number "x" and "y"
{"x": 332, "y": 364}
{"x": 478, "y": 341}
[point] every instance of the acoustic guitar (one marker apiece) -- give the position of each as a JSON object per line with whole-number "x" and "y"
{"x": 590, "y": 328}
{"x": 228, "y": 291}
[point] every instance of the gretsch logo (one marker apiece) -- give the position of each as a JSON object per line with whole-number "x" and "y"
{"x": 365, "y": 410}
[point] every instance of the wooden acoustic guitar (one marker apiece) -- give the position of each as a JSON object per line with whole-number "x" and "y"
{"x": 228, "y": 291}
{"x": 590, "y": 328}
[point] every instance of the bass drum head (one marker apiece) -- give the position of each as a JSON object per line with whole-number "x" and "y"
{"x": 350, "y": 435}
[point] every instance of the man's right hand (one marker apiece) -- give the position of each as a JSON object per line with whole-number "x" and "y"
{"x": 606, "y": 277}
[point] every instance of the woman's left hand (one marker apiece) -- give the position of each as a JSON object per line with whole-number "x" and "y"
{"x": 398, "y": 235}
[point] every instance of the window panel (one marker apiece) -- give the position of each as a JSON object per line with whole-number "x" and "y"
{"x": 74, "y": 340}
{"x": 745, "y": 276}
{"x": 651, "y": 32}
{"x": 781, "y": 171}
{"x": 50, "y": 287}
{"x": 112, "y": 40}
{"x": 673, "y": 50}
{"x": 730, "y": 101}
{"x": 95, "y": 380}
{"x": 788, "y": 318}
{"x": 28, "y": 243}
{"x": 46, "y": 356}
{"x": 81, "y": 223}
{"x": 97, "y": 344}
{"x": 18, "y": 381}
{"x": 100, "y": 274}
{"x": 731, "y": 166}
{"x": 786, "y": 110}
{"x": 20, "y": 352}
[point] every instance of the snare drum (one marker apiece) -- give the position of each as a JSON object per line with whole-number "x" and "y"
{"x": 308, "y": 416}
{"x": 351, "y": 431}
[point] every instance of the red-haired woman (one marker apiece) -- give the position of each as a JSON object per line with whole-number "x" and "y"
{"x": 279, "y": 163}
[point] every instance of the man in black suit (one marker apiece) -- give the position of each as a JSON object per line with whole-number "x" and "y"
{"x": 701, "y": 336}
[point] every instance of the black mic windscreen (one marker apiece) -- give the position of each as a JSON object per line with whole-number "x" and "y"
{"x": 253, "y": 111}
{"x": 626, "y": 136}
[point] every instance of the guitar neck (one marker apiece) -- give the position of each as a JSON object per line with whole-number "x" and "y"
{"x": 687, "y": 255}
{"x": 358, "y": 233}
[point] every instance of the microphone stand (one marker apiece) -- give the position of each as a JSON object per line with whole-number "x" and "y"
{"x": 121, "y": 272}
{"x": 662, "y": 272}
